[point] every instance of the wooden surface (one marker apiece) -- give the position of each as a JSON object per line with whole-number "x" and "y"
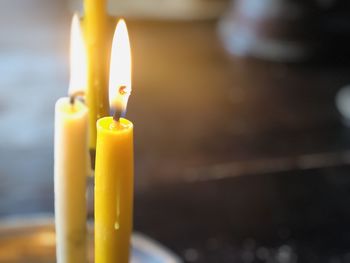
{"x": 199, "y": 115}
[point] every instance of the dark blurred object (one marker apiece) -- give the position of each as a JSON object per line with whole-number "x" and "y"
{"x": 162, "y": 9}
{"x": 287, "y": 30}
{"x": 168, "y": 9}
{"x": 342, "y": 100}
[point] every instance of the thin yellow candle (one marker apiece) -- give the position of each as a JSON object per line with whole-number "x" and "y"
{"x": 114, "y": 173}
{"x": 96, "y": 35}
{"x": 71, "y": 160}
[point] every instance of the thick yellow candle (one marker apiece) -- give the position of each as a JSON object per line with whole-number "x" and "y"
{"x": 114, "y": 162}
{"x": 71, "y": 150}
{"x": 113, "y": 190}
{"x": 97, "y": 44}
{"x": 71, "y": 159}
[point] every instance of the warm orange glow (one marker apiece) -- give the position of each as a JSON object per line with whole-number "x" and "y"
{"x": 78, "y": 64}
{"x": 120, "y": 70}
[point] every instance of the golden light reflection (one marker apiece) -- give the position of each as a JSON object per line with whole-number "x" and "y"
{"x": 78, "y": 62}
{"x": 120, "y": 69}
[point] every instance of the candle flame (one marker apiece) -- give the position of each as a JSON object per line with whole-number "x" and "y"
{"x": 120, "y": 69}
{"x": 78, "y": 61}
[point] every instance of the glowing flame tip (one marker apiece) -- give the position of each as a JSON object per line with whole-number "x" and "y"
{"x": 78, "y": 61}
{"x": 120, "y": 69}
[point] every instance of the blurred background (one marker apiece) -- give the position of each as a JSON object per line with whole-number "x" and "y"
{"x": 241, "y": 111}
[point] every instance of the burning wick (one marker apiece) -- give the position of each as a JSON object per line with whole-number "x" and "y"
{"x": 117, "y": 115}
{"x": 119, "y": 112}
{"x": 73, "y": 97}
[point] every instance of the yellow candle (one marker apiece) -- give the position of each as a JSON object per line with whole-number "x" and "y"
{"x": 96, "y": 34}
{"x": 113, "y": 190}
{"x": 114, "y": 162}
{"x": 71, "y": 161}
